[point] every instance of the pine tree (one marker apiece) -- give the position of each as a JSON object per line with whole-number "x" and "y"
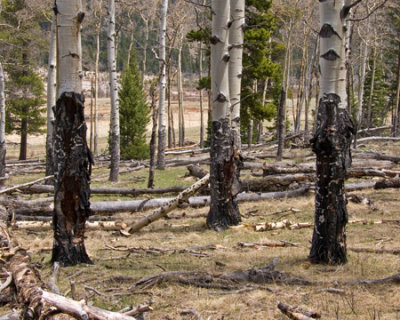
{"x": 258, "y": 65}
{"x": 25, "y": 99}
{"x": 21, "y": 34}
{"x": 134, "y": 113}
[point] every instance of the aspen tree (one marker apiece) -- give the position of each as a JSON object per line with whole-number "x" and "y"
{"x": 162, "y": 85}
{"x": 72, "y": 156}
{"x": 224, "y": 173}
{"x": 332, "y": 139}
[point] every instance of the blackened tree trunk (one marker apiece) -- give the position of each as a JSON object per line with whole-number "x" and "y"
{"x": 224, "y": 171}
{"x": 72, "y": 155}
{"x": 23, "y": 148}
{"x": 332, "y": 139}
{"x": 72, "y": 188}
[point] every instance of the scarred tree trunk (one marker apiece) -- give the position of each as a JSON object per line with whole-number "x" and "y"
{"x": 332, "y": 139}
{"x": 2, "y": 126}
{"x": 51, "y": 99}
{"x": 23, "y": 149}
{"x": 224, "y": 173}
{"x": 162, "y": 85}
{"x": 96, "y": 89}
{"x": 112, "y": 67}
{"x": 72, "y": 155}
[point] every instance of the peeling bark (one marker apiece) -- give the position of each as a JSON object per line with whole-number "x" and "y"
{"x": 72, "y": 190}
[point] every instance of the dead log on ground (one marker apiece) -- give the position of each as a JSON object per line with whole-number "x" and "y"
{"x": 169, "y": 206}
{"x": 38, "y": 303}
{"x": 106, "y": 190}
{"x": 270, "y": 244}
{"x": 388, "y": 183}
{"x": 376, "y": 156}
{"x": 109, "y": 207}
{"x": 296, "y": 313}
{"x": 225, "y": 281}
{"x": 25, "y": 185}
{"x": 377, "y": 139}
{"x": 395, "y": 278}
{"x": 378, "y": 251}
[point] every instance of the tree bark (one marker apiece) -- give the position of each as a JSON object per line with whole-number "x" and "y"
{"x": 162, "y": 84}
{"x": 225, "y": 159}
{"x": 201, "y": 96}
{"x": 153, "y": 139}
{"x": 332, "y": 139}
{"x": 372, "y": 88}
{"x": 112, "y": 68}
{"x": 96, "y": 88}
{"x": 51, "y": 99}
{"x": 2, "y": 126}
{"x": 72, "y": 155}
{"x": 180, "y": 97}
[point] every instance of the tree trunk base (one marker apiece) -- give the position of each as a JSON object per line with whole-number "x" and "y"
{"x": 226, "y": 162}
{"x": 331, "y": 143}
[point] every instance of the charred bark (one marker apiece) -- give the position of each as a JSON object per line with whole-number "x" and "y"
{"x": 331, "y": 143}
{"x": 72, "y": 177}
{"x": 225, "y": 167}
{"x": 153, "y": 142}
{"x": 24, "y": 139}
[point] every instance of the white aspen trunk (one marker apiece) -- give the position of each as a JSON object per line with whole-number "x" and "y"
{"x": 332, "y": 62}
{"x": 72, "y": 155}
{"x": 236, "y": 38}
{"x": 146, "y": 40}
{"x": 363, "y": 65}
{"x": 162, "y": 86}
{"x": 180, "y": 98}
{"x": 332, "y": 139}
{"x": 201, "y": 96}
{"x": 112, "y": 67}
{"x": 372, "y": 88}
{"x": 281, "y": 125}
{"x": 69, "y": 48}
{"x": 96, "y": 88}
{"x": 51, "y": 98}
{"x": 225, "y": 159}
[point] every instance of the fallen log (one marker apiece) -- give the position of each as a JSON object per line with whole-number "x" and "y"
{"x": 47, "y": 225}
{"x": 39, "y": 303}
{"x": 225, "y": 281}
{"x": 110, "y": 207}
{"x": 373, "y": 250}
{"x": 296, "y": 313}
{"x": 377, "y": 139}
{"x": 388, "y": 183}
{"x": 377, "y": 156}
{"x": 169, "y": 206}
{"x": 106, "y": 190}
{"x": 24, "y": 185}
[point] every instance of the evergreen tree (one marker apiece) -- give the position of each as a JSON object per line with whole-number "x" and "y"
{"x": 134, "y": 113}
{"x": 258, "y": 65}
{"x": 25, "y": 90}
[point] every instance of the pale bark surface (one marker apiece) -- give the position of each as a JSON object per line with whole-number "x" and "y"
{"x": 225, "y": 160}
{"x": 114, "y": 122}
{"x": 51, "y": 98}
{"x": 162, "y": 85}
{"x": 180, "y": 97}
{"x": 236, "y": 38}
{"x": 2, "y": 126}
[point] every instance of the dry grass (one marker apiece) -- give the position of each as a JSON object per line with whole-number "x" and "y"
{"x": 168, "y": 300}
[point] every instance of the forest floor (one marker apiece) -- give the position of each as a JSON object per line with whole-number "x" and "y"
{"x": 183, "y": 243}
